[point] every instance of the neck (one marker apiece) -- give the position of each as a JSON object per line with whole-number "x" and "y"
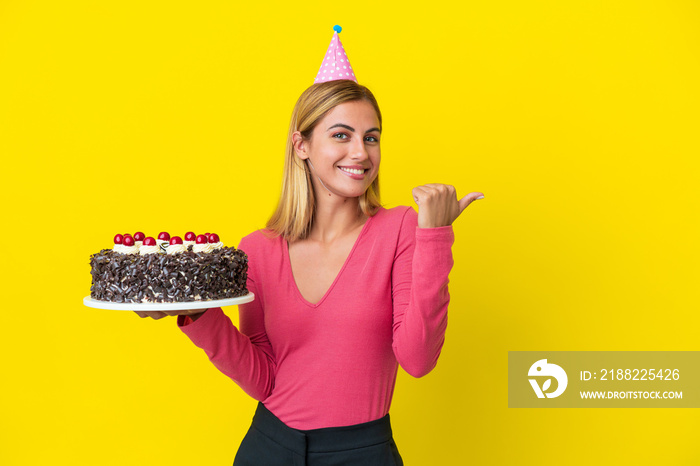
{"x": 335, "y": 216}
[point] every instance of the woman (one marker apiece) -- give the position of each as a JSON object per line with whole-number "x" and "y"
{"x": 346, "y": 290}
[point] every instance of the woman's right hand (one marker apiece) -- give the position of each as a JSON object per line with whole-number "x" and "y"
{"x": 193, "y": 313}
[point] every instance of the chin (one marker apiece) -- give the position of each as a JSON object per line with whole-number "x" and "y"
{"x": 352, "y": 194}
{"x": 356, "y": 192}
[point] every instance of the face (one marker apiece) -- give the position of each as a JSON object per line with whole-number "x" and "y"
{"x": 343, "y": 150}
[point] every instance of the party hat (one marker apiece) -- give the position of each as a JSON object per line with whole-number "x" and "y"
{"x": 335, "y": 63}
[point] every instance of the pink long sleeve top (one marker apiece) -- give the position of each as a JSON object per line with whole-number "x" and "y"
{"x": 334, "y": 363}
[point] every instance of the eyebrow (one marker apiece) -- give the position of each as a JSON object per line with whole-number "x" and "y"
{"x": 350, "y": 128}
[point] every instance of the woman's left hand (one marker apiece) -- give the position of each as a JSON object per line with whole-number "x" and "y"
{"x": 438, "y": 205}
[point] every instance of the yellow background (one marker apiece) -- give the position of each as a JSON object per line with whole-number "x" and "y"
{"x": 577, "y": 119}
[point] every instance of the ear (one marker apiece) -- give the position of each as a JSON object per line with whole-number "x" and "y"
{"x": 300, "y": 146}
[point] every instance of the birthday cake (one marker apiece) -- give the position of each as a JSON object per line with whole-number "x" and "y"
{"x": 140, "y": 269}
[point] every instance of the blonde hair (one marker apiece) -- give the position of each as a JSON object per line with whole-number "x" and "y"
{"x": 294, "y": 214}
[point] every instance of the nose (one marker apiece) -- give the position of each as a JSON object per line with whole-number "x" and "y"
{"x": 358, "y": 150}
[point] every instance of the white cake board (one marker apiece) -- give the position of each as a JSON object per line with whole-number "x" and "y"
{"x": 89, "y": 302}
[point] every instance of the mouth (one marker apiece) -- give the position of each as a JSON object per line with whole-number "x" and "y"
{"x": 358, "y": 171}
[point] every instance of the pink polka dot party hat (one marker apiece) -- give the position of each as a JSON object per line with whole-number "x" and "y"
{"x": 335, "y": 63}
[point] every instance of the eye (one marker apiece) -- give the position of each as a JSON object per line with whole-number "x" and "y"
{"x": 372, "y": 137}
{"x": 339, "y": 134}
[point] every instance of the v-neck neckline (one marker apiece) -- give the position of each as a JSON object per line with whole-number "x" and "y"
{"x": 290, "y": 272}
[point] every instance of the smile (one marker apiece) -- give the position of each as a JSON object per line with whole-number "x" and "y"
{"x": 355, "y": 171}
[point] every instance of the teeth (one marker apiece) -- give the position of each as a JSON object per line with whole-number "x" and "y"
{"x": 352, "y": 170}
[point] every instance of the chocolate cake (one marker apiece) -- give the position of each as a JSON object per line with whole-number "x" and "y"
{"x": 186, "y": 275}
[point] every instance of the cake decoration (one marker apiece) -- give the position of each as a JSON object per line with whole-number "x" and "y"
{"x": 129, "y": 245}
{"x": 149, "y": 246}
{"x": 176, "y": 246}
{"x": 190, "y": 238}
{"x": 202, "y": 244}
{"x": 214, "y": 241}
{"x": 163, "y": 240}
{"x": 146, "y": 274}
{"x": 139, "y": 237}
{"x": 118, "y": 242}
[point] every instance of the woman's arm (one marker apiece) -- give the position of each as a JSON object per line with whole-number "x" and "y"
{"x": 192, "y": 317}
{"x": 422, "y": 263}
{"x": 243, "y": 355}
